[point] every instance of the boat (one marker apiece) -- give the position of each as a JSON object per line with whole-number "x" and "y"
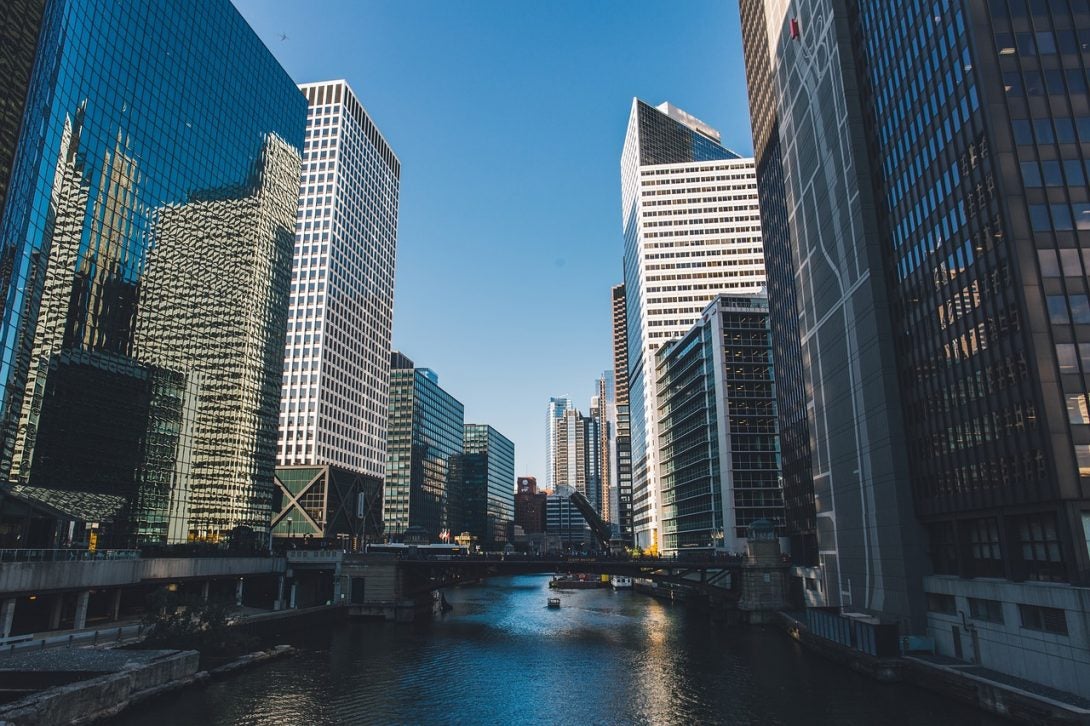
{"x": 554, "y": 602}
{"x": 620, "y": 582}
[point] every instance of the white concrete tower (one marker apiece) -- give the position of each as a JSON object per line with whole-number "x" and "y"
{"x": 337, "y": 356}
{"x": 692, "y": 230}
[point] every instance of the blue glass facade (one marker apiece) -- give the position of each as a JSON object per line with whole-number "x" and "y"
{"x": 487, "y": 484}
{"x": 423, "y": 451}
{"x": 146, "y": 245}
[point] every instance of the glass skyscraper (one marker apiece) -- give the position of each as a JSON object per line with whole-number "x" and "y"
{"x": 487, "y": 494}
{"x": 621, "y": 446}
{"x": 718, "y": 445}
{"x": 145, "y": 259}
{"x": 692, "y": 230}
{"x": 423, "y": 451}
{"x": 943, "y": 334}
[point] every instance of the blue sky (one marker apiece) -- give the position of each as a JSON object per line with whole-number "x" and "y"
{"x": 509, "y": 119}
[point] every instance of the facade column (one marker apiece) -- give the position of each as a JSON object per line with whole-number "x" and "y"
{"x": 7, "y": 617}
{"x": 291, "y": 604}
{"x": 81, "y": 609}
{"x": 56, "y": 611}
{"x": 238, "y": 592}
{"x": 115, "y": 609}
{"x": 206, "y": 588}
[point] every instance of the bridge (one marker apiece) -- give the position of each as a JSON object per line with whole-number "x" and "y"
{"x": 405, "y": 587}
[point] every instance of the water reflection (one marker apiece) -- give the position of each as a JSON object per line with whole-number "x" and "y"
{"x": 502, "y": 657}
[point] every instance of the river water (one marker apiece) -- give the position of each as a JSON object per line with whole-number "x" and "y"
{"x": 502, "y": 657}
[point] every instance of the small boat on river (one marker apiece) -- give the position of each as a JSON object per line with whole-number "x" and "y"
{"x": 554, "y": 602}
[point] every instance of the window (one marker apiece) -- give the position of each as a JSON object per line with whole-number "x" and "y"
{"x": 1082, "y": 457}
{"x": 1049, "y": 262}
{"x": 988, "y": 610}
{"x": 1031, "y": 174}
{"x": 943, "y": 545}
{"x": 1061, "y": 217}
{"x": 1057, "y": 309}
{"x": 1038, "y": 218}
{"x": 1023, "y": 132}
{"x": 1065, "y": 356}
{"x": 1077, "y": 412}
{"x": 1051, "y": 174}
{"x": 1074, "y": 172}
{"x": 1048, "y": 620}
{"x": 1080, "y": 309}
{"x": 941, "y": 603}
{"x": 984, "y": 549}
{"x": 1069, "y": 261}
{"x": 1041, "y": 553}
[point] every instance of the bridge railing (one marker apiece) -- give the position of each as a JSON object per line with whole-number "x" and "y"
{"x": 61, "y": 555}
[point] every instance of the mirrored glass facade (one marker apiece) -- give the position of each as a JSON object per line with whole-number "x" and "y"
{"x": 423, "y": 451}
{"x": 146, "y": 245}
{"x": 487, "y": 485}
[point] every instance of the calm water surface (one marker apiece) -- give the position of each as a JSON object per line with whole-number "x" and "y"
{"x": 502, "y": 657}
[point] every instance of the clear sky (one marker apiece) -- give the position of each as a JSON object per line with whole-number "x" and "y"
{"x": 509, "y": 118}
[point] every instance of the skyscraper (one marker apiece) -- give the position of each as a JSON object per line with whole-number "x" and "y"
{"x": 717, "y": 428}
{"x": 424, "y": 449}
{"x": 578, "y": 458}
{"x": 487, "y": 485}
{"x": 940, "y": 292}
{"x": 602, "y": 412}
{"x": 553, "y": 412}
{"x": 621, "y": 448}
{"x": 692, "y": 230}
{"x": 145, "y": 267}
{"x": 332, "y": 445}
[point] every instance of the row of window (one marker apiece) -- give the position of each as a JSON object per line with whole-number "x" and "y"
{"x": 1033, "y": 617}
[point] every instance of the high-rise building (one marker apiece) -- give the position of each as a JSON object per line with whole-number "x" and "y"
{"x": 564, "y": 523}
{"x": 933, "y": 184}
{"x": 553, "y": 413}
{"x": 529, "y": 506}
{"x": 603, "y": 414}
{"x": 692, "y": 230}
{"x": 578, "y": 458}
{"x": 487, "y": 497}
{"x": 424, "y": 449}
{"x": 335, "y": 394}
{"x": 145, "y": 265}
{"x": 717, "y": 429}
{"x": 621, "y": 447}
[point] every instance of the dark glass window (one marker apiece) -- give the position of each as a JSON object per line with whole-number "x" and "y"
{"x": 1023, "y": 131}
{"x": 944, "y": 548}
{"x": 1065, "y": 356}
{"x": 1035, "y": 84}
{"x": 1031, "y": 174}
{"x": 1024, "y": 43}
{"x": 1076, "y": 81}
{"x": 1073, "y": 171}
{"x": 1054, "y": 81}
{"x": 1049, "y": 620}
{"x": 984, "y": 548}
{"x": 1057, "y": 309}
{"x": 1041, "y": 554}
{"x": 941, "y": 603}
{"x": 1042, "y": 127}
{"x": 1004, "y": 43}
{"x": 1046, "y": 44}
{"x": 1077, "y": 412}
{"x": 988, "y": 610}
{"x": 1061, "y": 217}
{"x": 1065, "y": 130}
{"x": 1038, "y": 218}
{"x": 1080, "y": 309}
{"x": 1081, "y": 213}
{"x": 1012, "y": 84}
{"x": 1067, "y": 41}
{"x": 1051, "y": 174}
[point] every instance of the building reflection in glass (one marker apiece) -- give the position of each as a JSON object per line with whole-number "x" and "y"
{"x": 149, "y": 223}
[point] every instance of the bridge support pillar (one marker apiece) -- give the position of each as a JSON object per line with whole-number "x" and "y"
{"x": 7, "y": 617}
{"x": 55, "y": 611}
{"x": 238, "y": 592}
{"x": 115, "y": 606}
{"x": 206, "y": 589}
{"x": 291, "y": 603}
{"x": 278, "y": 603}
{"x": 81, "y": 610}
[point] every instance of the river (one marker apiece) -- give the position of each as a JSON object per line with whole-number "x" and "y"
{"x": 502, "y": 657}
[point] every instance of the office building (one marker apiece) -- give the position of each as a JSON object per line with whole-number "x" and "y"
{"x": 331, "y": 452}
{"x": 718, "y": 447}
{"x": 578, "y": 457}
{"x": 564, "y": 524}
{"x": 530, "y": 506}
{"x": 424, "y": 450}
{"x": 553, "y": 413}
{"x": 147, "y": 221}
{"x": 603, "y": 414}
{"x": 692, "y": 230}
{"x": 487, "y": 496}
{"x": 620, "y": 452}
{"x": 940, "y": 294}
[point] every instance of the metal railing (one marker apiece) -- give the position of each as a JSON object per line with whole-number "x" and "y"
{"x": 81, "y": 638}
{"x": 44, "y": 555}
